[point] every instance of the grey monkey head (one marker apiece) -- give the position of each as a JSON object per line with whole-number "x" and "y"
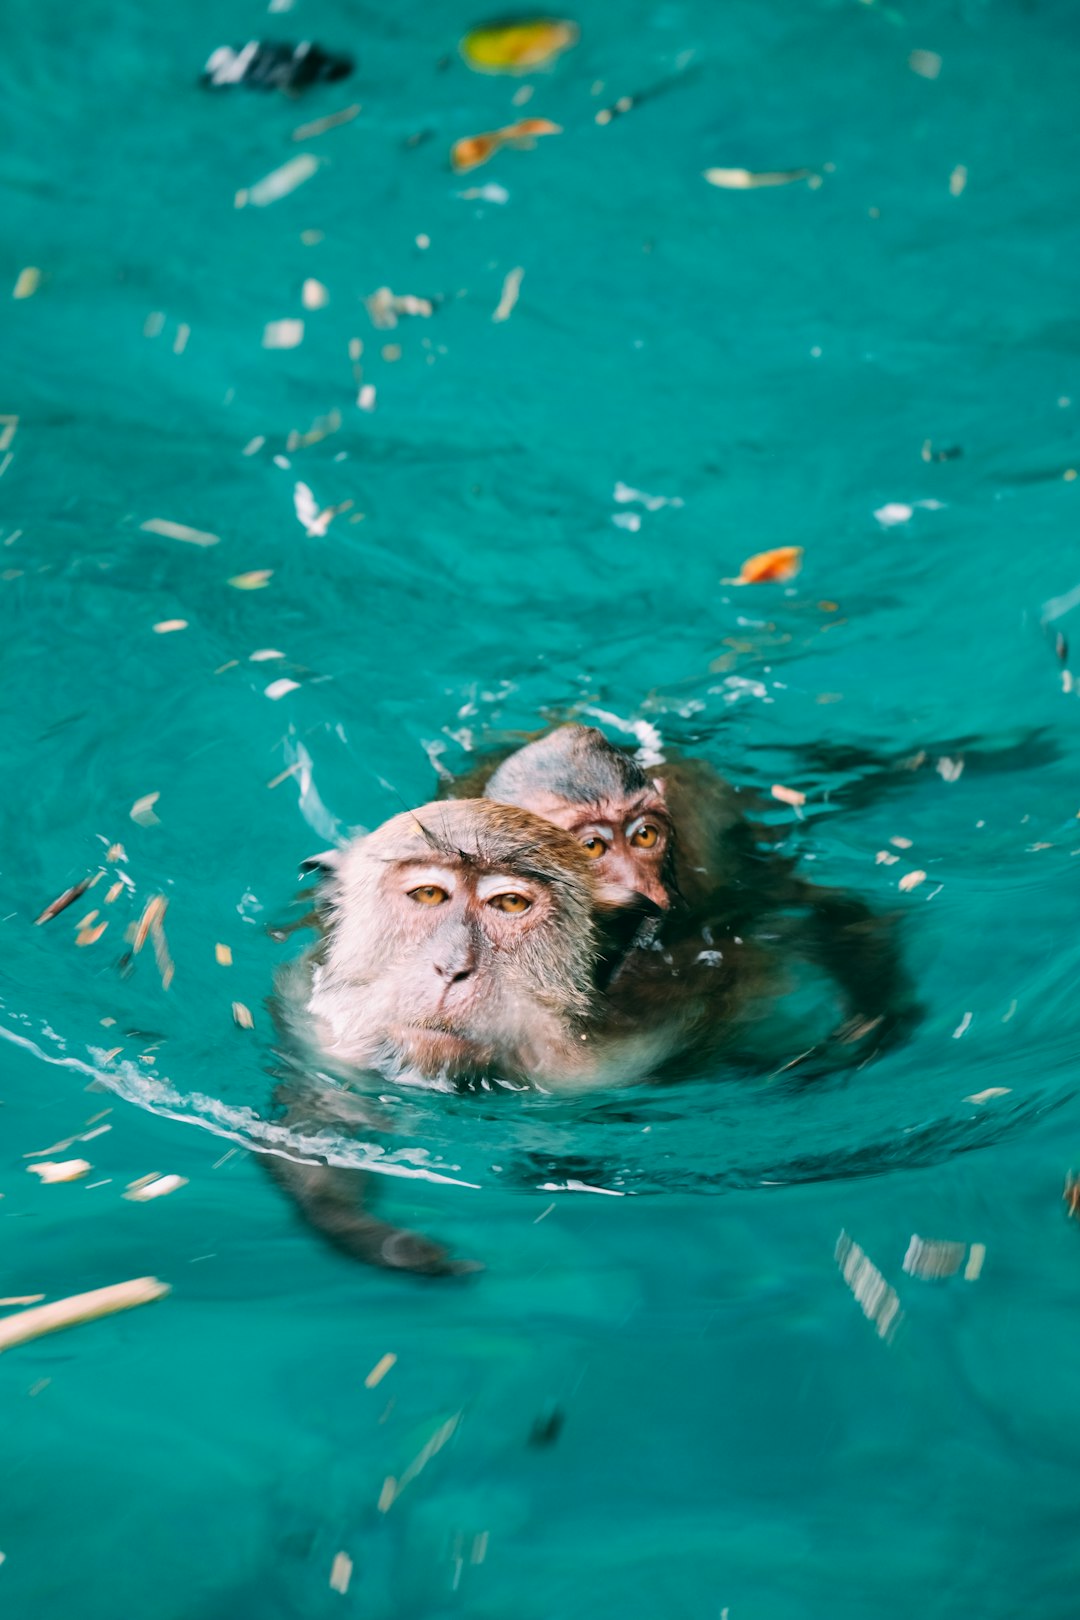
{"x": 575, "y": 763}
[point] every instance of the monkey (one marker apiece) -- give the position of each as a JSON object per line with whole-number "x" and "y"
{"x": 680, "y": 838}
{"x": 463, "y": 939}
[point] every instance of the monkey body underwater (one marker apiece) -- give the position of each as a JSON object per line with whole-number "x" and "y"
{"x": 601, "y": 929}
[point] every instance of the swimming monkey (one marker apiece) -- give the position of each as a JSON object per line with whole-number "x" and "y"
{"x": 678, "y": 836}
{"x": 462, "y": 939}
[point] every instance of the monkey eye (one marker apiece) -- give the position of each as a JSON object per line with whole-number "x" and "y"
{"x": 515, "y": 904}
{"x": 646, "y": 837}
{"x": 594, "y": 847}
{"x": 428, "y": 894}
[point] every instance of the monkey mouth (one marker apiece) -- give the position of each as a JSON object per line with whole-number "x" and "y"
{"x": 435, "y": 1048}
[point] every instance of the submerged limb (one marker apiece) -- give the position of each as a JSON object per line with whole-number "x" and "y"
{"x": 330, "y": 1199}
{"x": 334, "y": 1200}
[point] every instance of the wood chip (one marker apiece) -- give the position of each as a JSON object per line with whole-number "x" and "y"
{"x": 90, "y": 936}
{"x": 78, "y": 1308}
{"x": 281, "y": 688}
{"x": 286, "y": 334}
{"x": 114, "y": 892}
{"x": 787, "y": 795}
{"x": 958, "y": 180}
{"x": 927, "y": 64}
{"x": 153, "y": 911}
{"x": 313, "y": 294}
{"x": 911, "y": 880}
{"x": 279, "y": 182}
{"x": 319, "y": 126}
{"x": 769, "y": 567}
{"x": 975, "y": 1262}
{"x": 142, "y": 811}
{"x": 27, "y": 282}
{"x": 180, "y": 531}
{"x": 988, "y": 1094}
{"x": 511, "y": 287}
{"x": 380, "y": 1370}
{"x": 242, "y": 1015}
{"x": 883, "y": 858}
{"x": 147, "y": 1187}
{"x": 253, "y": 581}
{"x": 116, "y": 852}
{"x": 165, "y": 627}
{"x": 62, "y": 901}
{"x": 749, "y": 179}
{"x": 223, "y": 956}
{"x": 933, "y": 1257}
{"x": 22, "y": 1299}
{"x": 51, "y": 1170}
{"x": 900, "y": 843}
{"x": 162, "y": 957}
{"x": 878, "y": 1301}
{"x": 341, "y": 1573}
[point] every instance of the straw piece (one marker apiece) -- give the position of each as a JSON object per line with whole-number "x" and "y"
{"x": 77, "y": 1308}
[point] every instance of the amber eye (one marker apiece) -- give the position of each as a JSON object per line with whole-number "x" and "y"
{"x": 515, "y": 904}
{"x": 594, "y": 848}
{"x": 428, "y": 894}
{"x": 646, "y": 837}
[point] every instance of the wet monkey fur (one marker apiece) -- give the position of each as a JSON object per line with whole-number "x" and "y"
{"x": 462, "y": 939}
{"x": 677, "y": 835}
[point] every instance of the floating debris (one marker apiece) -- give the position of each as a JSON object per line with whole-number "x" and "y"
{"x": 264, "y": 655}
{"x": 286, "y": 334}
{"x": 950, "y": 770}
{"x": 933, "y": 1257}
{"x": 273, "y": 65}
{"x": 788, "y": 795}
{"x": 911, "y": 880}
{"x": 392, "y": 1488}
{"x": 319, "y": 126}
{"x": 492, "y": 193}
{"x": 927, "y": 64}
{"x": 880, "y": 1303}
{"x": 89, "y": 935}
{"x": 280, "y": 689}
{"x": 988, "y": 1094}
{"x": 223, "y": 955}
{"x": 153, "y": 1186}
{"x": 894, "y": 512}
{"x": 472, "y": 150}
{"x": 511, "y": 287}
{"x": 242, "y": 1016}
{"x": 957, "y": 180}
{"x": 341, "y": 1573}
{"x": 652, "y": 503}
{"x": 365, "y": 399}
{"x": 27, "y": 282}
{"x": 279, "y": 182}
{"x": 883, "y": 858}
{"x": 518, "y": 47}
{"x": 313, "y": 294}
{"x": 385, "y": 306}
{"x": 380, "y": 1370}
{"x": 900, "y": 843}
{"x": 253, "y": 581}
{"x": 749, "y": 179}
{"x": 179, "y": 531}
{"x": 68, "y": 898}
{"x": 165, "y": 627}
{"x": 153, "y": 912}
{"x": 142, "y": 811}
{"x": 65, "y": 1170}
{"x": 78, "y": 1308}
{"x": 769, "y": 567}
{"x": 22, "y": 1299}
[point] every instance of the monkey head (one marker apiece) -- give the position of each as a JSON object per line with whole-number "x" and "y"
{"x": 461, "y": 938}
{"x": 582, "y": 783}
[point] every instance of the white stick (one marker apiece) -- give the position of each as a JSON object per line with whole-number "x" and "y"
{"x": 78, "y": 1308}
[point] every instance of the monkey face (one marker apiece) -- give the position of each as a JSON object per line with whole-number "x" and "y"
{"x": 628, "y": 840}
{"x": 461, "y": 941}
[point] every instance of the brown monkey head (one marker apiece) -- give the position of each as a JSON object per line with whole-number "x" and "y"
{"x": 582, "y": 783}
{"x": 461, "y": 939}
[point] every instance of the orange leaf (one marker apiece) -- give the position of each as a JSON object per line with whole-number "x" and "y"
{"x": 768, "y": 567}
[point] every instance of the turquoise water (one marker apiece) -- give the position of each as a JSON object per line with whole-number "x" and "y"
{"x": 738, "y": 1436}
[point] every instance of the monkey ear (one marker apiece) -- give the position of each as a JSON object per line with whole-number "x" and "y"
{"x": 620, "y": 897}
{"x": 328, "y": 861}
